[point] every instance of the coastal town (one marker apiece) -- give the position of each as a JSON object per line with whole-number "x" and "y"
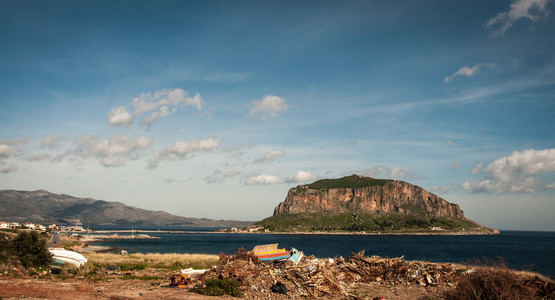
{"x": 40, "y": 227}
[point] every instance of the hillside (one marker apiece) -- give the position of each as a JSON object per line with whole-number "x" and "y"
{"x": 359, "y": 203}
{"x": 44, "y": 207}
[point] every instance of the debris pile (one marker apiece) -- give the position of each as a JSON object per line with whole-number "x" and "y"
{"x": 330, "y": 277}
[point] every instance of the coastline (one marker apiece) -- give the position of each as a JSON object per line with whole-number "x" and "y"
{"x": 437, "y": 232}
{"x": 493, "y": 232}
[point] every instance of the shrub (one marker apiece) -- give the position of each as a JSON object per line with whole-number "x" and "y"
{"x": 218, "y": 287}
{"x": 130, "y": 267}
{"x": 31, "y": 250}
{"x": 490, "y": 283}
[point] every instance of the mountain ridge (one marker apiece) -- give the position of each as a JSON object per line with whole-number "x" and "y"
{"x": 41, "y": 206}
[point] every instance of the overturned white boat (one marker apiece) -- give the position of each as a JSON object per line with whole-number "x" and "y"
{"x": 62, "y": 256}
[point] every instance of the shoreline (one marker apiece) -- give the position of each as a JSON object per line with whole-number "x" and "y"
{"x": 438, "y": 232}
{"x": 372, "y": 233}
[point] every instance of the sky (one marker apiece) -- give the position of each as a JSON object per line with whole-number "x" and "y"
{"x": 217, "y": 108}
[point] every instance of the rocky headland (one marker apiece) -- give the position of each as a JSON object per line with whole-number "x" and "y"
{"x": 363, "y": 204}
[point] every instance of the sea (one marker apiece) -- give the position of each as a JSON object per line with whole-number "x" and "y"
{"x": 520, "y": 250}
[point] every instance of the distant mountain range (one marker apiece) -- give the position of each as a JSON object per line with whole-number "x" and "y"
{"x": 44, "y": 207}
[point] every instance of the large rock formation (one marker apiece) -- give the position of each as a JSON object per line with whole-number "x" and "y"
{"x": 359, "y": 194}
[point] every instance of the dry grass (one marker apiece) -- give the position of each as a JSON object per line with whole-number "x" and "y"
{"x": 154, "y": 260}
{"x": 499, "y": 282}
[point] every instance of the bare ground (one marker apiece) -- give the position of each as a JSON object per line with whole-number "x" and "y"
{"x": 31, "y": 288}
{"x": 116, "y": 288}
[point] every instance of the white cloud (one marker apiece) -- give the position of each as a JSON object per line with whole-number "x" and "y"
{"x": 550, "y": 186}
{"x": 7, "y": 168}
{"x": 38, "y": 157}
{"x": 513, "y": 173}
{"x": 123, "y": 146}
{"x": 467, "y": 71}
{"x": 457, "y": 165}
{"x": 52, "y": 141}
{"x": 270, "y": 156}
{"x": 269, "y": 106}
{"x": 398, "y": 172}
{"x": 263, "y": 179}
{"x": 76, "y": 164}
{"x": 443, "y": 188}
{"x": 450, "y": 142}
{"x": 213, "y": 179}
{"x": 220, "y": 176}
{"x": 384, "y": 172}
{"x": 518, "y": 185}
{"x": 16, "y": 141}
{"x": 111, "y": 152}
{"x": 531, "y": 9}
{"x": 374, "y": 171}
{"x": 7, "y": 150}
{"x": 119, "y": 116}
{"x": 476, "y": 168}
{"x": 301, "y": 176}
{"x": 231, "y": 173}
{"x": 183, "y": 150}
{"x": 161, "y": 104}
{"x": 112, "y": 162}
{"x": 11, "y": 147}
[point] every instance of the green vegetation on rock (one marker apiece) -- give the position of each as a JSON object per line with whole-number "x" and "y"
{"x": 369, "y": 222}
{"x": 353, "y": 181}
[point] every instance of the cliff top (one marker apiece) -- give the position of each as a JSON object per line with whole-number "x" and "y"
{"x": 347, "y": 182}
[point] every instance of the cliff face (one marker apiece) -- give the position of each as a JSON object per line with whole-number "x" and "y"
{"x": 392, "y": 196}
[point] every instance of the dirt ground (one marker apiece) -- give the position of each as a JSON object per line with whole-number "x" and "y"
{"x": 30, "y": 288}
{"x": 114, "y": 288}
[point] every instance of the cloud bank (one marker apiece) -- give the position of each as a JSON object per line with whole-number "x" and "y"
{"x": 514, "y": 173}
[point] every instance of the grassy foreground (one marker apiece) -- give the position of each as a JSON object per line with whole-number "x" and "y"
{"x": 153, "y": 260}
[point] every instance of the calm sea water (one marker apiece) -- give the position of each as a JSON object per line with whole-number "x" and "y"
{"x": 528, "y": 250}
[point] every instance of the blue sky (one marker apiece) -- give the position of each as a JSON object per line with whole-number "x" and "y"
{"x": 216, "y": 108}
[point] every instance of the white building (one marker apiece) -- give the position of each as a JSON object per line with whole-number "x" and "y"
{"x": 29, "y": 225}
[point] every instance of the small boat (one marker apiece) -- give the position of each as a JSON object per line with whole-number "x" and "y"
{"x": 296, "y": 256}
{"x": 271, "y": 252}
{"x": 62, "y": 256}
